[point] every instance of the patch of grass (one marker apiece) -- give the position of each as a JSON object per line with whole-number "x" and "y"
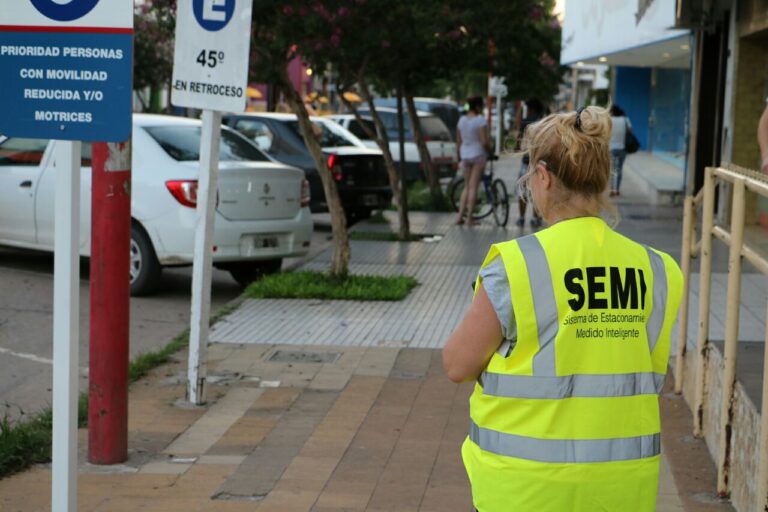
{"x": 378, "y": 218}
{"x": 381, "y": 236}
{"x": 143, "y": 363}
{"x": 319, "y": 285}
{"x": 27, "y": 441}
{"x": 420, "y": 199}
{"x": 82, "y": 410}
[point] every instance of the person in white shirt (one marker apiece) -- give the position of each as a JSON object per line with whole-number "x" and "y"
{"x": 617, "y": 145}
{"x": 472, "y": 143}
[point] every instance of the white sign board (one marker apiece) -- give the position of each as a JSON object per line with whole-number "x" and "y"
{"x": 593, "y": 28}
{"x": 210, "y": 62}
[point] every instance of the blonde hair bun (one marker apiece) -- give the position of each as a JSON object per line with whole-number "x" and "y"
{"x": 596, "y": 122}
{"x": 574, "y": 146}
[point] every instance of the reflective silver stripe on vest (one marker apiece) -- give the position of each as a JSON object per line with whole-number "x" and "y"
{"x": 544, "y": 304}
{"x": 572, "y": 386}
{"x": 656, "y": 320}
{"x": 565, "y": 451}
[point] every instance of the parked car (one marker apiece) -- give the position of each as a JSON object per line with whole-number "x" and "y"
{"x": 359, "y": 171}
{"x": 262, "y": 213}
{"x": 441, "y": 148}
{"x": 447, "y": 111}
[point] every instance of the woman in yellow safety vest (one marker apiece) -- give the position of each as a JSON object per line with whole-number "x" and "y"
{"x": 567, "y": 338}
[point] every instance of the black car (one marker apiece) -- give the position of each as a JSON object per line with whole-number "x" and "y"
{"x": 359, "y": 171}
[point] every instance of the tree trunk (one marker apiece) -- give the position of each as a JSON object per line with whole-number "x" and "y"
{"x": 155, "y": 100}
{"x": 401, "y": 141}
{"x": 426, "y": 161}
{"x": 140, "y": 96}
{"x": 382, "y": 141}
{"x": 341, "y": 251}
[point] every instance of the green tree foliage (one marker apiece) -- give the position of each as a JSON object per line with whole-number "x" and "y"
{"x": 154, "y": 23}
{"x": 515, "y": 39}
{"x": 413, "y": 46}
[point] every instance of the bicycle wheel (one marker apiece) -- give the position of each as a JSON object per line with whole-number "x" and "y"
{"x": 483, "y": 204}
{"x": 500, "y": 203}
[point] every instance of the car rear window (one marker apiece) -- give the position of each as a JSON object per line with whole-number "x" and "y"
{"x": 15, "y": 151}
{"x": 434, "y": 128}
{"x": 182, "y": 143}
{"x": 330, "y": 134}
{"x": 447, "y": 113}
{"x": 389, "y": 119}
{"x": 357, "y": 129}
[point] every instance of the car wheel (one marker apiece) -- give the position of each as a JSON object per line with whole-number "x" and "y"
{"x": 144, "y": 268}
{"x": 247, "y": 272}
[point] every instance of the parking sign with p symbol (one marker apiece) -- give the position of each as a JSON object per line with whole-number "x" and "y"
{"x": 213, "y": 15}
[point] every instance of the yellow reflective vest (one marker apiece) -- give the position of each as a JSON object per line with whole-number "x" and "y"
{"x": 568, "y": 420}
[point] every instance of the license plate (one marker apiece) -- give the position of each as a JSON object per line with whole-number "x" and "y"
{"x": 370, "y": 199}
{"x": 265, "y": 242}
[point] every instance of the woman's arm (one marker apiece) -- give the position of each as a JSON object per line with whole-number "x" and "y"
{"x": 458, "y": 144}
{"x": 473, "y": 342}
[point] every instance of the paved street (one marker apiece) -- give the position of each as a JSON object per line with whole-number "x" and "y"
{"x": 26, "y": 316}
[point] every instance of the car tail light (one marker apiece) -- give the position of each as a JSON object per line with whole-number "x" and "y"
{"x": 305, "y": 194}
{"x": 335, "y": 167}
{"x": 184, "y": 191}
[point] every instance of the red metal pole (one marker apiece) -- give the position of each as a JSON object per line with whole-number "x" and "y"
{"x": 110, "y": 291}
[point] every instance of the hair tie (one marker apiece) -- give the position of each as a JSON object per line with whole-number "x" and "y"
{"x": 578, "y": 117}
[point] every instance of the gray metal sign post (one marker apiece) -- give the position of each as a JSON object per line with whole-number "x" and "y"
{"x": 210, "y": 72}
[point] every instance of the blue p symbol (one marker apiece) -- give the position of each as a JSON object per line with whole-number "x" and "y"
{"x": 64, "y": 10}
{"x": 213, "y": 15}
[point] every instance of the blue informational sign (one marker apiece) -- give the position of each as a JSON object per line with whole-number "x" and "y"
{"x": 63, "y": 80}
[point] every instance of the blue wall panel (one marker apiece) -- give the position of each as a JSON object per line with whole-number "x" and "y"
{"x": 670, "y": 101}
{"x": 633, "y": 94}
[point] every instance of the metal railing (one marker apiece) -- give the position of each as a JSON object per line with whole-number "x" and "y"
{"x": 740, "y": 181}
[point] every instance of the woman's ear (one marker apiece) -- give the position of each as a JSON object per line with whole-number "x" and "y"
{"x": 544, "y": 175}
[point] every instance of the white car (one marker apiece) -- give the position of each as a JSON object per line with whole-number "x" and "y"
{"x": 441, "y": 147}
{"x": 262, "y": 214}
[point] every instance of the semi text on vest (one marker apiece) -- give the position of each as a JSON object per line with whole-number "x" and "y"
{"x": 604, "y": 287}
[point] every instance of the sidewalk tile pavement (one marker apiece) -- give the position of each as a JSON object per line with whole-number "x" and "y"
{"x": 314, "y": 405}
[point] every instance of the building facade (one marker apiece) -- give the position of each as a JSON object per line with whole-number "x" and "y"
{"x": 650, "y": 66}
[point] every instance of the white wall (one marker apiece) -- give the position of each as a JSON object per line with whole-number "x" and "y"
{"x": 600, "y": 27}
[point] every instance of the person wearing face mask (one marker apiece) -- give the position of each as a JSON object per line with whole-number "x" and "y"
{"x": 567, "y": 340}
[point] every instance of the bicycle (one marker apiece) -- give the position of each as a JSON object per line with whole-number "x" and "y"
{"x": 492, "y": 198}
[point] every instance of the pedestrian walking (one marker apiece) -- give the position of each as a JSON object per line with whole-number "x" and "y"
{"x": 568, "y": 339}
{"x": 534, "y": 112}
{"x": 472, "y": 142}
{"x": 618, "y": 146}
